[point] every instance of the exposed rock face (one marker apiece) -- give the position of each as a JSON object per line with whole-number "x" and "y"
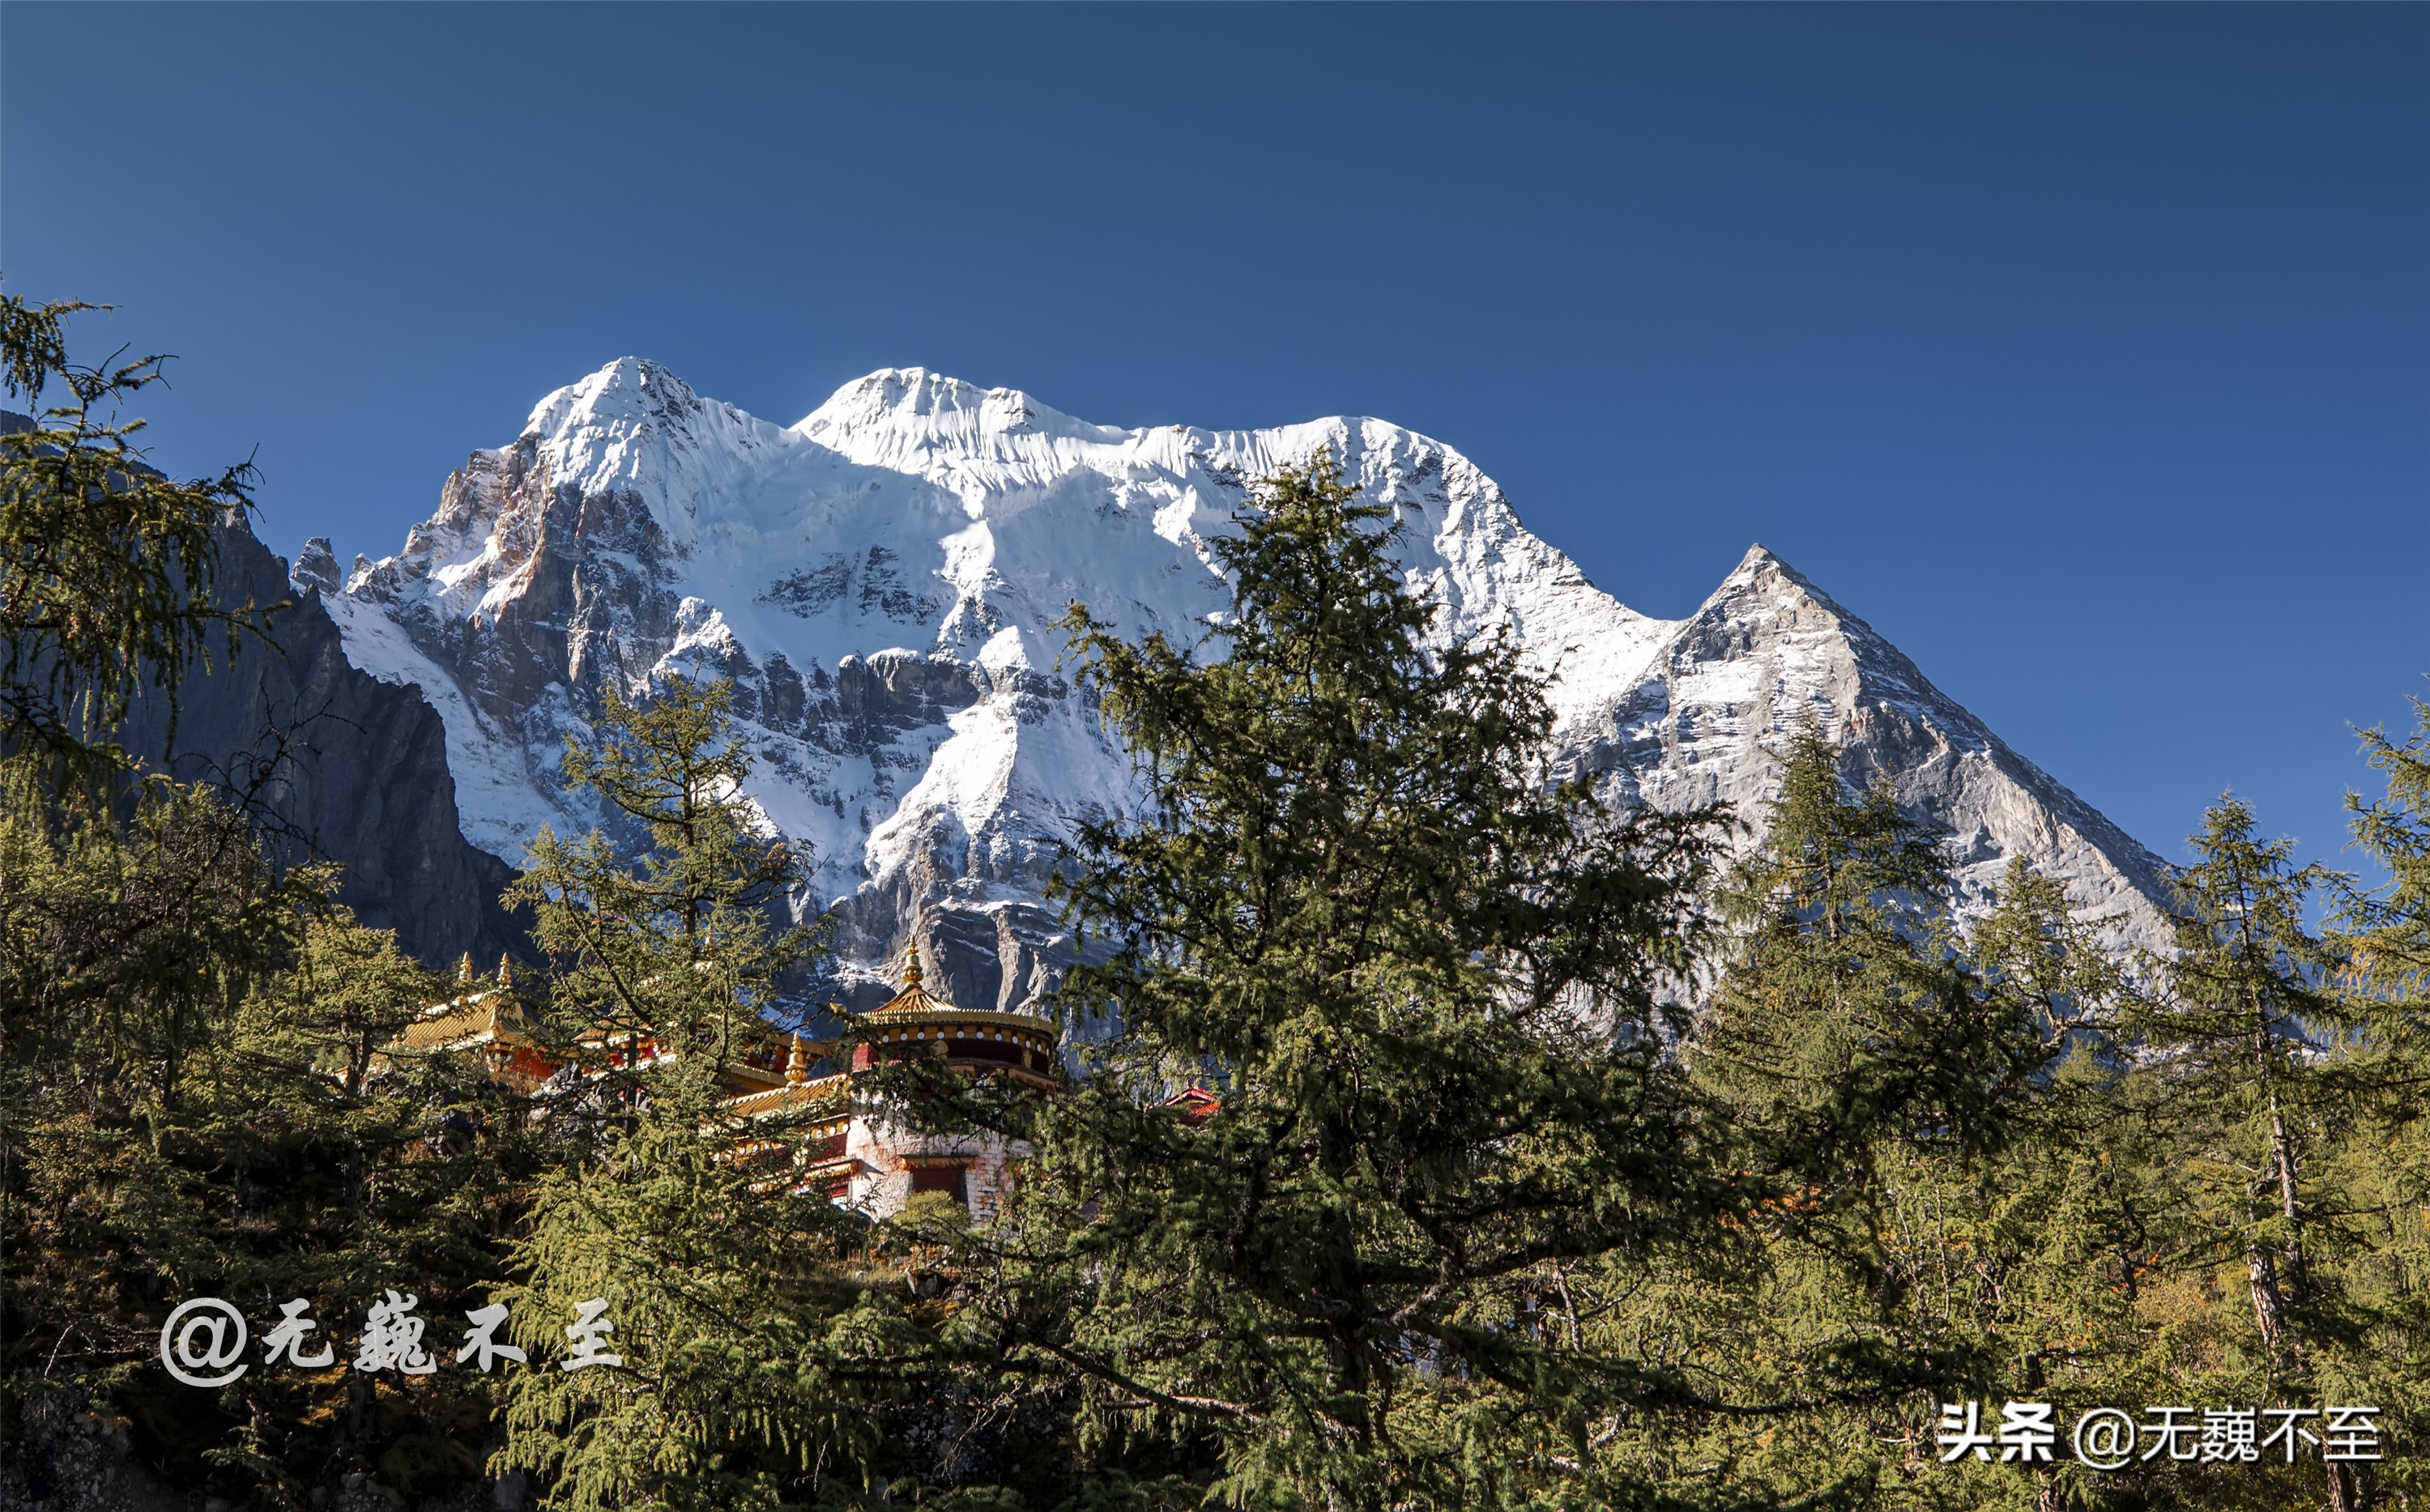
{"x": 348, "y": 767}
{"x": 1769, "y": 649}
{"x": 879, "y": 581}
{"x": 359, "y": 767}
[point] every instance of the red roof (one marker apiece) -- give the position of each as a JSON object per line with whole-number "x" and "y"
{"x": 1195, "y": 1104}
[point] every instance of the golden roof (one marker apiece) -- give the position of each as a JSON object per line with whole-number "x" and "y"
{"x": 916, "y": 1004}
{"x": 791, "y": 1095}
{"x": 479, "y": 1019}
{"x": 494, "y": 1017}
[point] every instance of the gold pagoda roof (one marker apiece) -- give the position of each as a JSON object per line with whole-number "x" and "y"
{"x": 790, "y": 1095}
{"x": 477, "y": 1015}
{"x": 916, "y": 1004}
{"x": 492, "y": 1015}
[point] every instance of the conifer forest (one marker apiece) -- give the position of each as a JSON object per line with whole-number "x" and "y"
{"x": 1426, "y": 1136}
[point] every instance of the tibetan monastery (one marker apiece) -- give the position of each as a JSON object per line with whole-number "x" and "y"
{"x": 855, "y": 1158}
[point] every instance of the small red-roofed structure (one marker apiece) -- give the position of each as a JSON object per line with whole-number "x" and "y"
{"x": 1194, "y": 1106}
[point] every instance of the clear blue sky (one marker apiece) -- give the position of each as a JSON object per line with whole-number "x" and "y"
{"x": 2084, "y": 351}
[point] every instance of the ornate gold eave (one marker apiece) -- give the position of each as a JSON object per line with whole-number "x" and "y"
{"x": 833, "y": 1089}
{"x": 463, "y": 1023}
{"x": 492, "y": 1019}
{"x": 931, "y": 1011}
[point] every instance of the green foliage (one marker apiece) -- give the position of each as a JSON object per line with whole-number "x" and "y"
{"x": 1432, "y": 985}
{"x": 1881, "y": 1080}
{"x": 1487, "y": 1218}
{"x": 2246, "y": 1012}
{"x": 190, "y": 1103}
{"x": 2202, "y": 1189}
{"x": 1847, "y": 1016}
{"x": 1555, "y": 1166}
{"x": 2385, "y": 934}
{"x": 2275, "y": 1077}
{"x": 742, "y": 1338}
{"x": 662, "y": 966}
{"x": 190, "y": 1108}
{"x": 749, "y": 1354}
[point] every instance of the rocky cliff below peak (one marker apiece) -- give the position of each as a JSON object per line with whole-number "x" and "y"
{"x": 340, "y": 765}
{"x": 332, "y": 763}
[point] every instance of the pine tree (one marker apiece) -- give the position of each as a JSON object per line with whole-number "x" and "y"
{"x": 2386, "y": 932}
{"x": 2265, "y": 1069}
{"x": 1886, "y": 1079}
{"x": 664, "y": 966}
{"x": 2248, "y": 1000}
{"x": 193, "y": 1109}
{"x": 2378, "y": 1166}
{"x": 748, "y": 1355}
{"x": 1429, "y": 982}
{"x": 1847, "y": 1016}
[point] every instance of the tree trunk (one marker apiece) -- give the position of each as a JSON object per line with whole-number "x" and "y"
{"x": 2269, "y": 1308}
{"x": 2283, "y": 1149}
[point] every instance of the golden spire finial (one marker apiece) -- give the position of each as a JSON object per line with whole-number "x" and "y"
{"x": 798, "y": 1065}
{"x": 911, "y": 967}
{"x": 464, "y": 967}
{"x": 506, "y": 971}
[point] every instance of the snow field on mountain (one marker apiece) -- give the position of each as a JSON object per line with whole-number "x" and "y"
{"x": 881, "y": 578}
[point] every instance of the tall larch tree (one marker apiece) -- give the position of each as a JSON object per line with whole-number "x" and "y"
{"x": 1430, "y": 987}
{"x": 746, "y": 1358}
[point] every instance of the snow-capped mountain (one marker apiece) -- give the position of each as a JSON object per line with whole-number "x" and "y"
{"x": 879, "y": 579}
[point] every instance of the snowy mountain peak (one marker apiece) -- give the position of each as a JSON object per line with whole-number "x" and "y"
{"x": 879, "y": 581}
{"x": 1764, "y": 594}
{"x": 1759, "y": 557}
{"x": 628, "y": 387}
{"x": 896, "y": 415}
{"x": 1763, "y": 570}
{"x": 634, "y": 429}
{"x": 910, "y": 395}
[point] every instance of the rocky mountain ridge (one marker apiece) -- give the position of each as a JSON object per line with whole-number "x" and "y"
{"x": 340, "y": 764}
{"x": 878, "y": 579}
